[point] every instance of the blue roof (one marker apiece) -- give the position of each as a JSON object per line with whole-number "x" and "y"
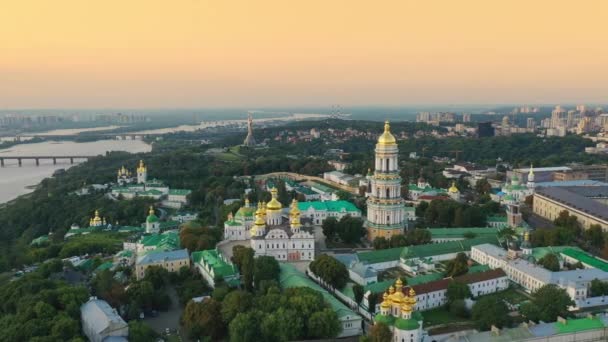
{"x": 152, "y": 258}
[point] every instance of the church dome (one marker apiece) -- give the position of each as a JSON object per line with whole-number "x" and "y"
{"x": 387, "y": 138}
{"x": 453, "y": 188}
{"x": 151, "y": 216}
{"x": 274, "y": 203}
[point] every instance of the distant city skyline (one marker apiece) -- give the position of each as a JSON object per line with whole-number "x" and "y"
{"x": 209, "y": 54}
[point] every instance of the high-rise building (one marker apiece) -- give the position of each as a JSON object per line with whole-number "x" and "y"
{"x": 385, "y": 206}
{"x": 531, "y": 124}
{"x": 556, "y": 116}
{"x": 249, "y": 139}
{"x": 466, "y": 117}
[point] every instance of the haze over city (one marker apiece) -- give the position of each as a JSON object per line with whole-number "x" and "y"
{"x": 180, "y": 54}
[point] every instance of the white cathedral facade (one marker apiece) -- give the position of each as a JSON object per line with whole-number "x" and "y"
{"x": 272, "y": 230}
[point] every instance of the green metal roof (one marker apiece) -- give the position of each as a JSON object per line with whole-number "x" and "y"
{"x": 433, "y": 249}
{"x": 291, "y": 277}
{"x": 322, "y": 187}
{"x": 460, "y": 232}
{"x": 497, "y": 218}
{"x": 182, "y": 192}
{"x": 586, "y": 258}
{"x": 578, "y": 325}
{"x": 152, "y": 218}
{"x": 165, "y": 241}
{"x": 40, "y": 240}
{"x": 104, "y": 266}
{"x": 213, "y": 259}
{"x": 330, "y": 206}
{"x": 406, "y": 324}
{"x": 381, "y": 255}
{"x": 540, "y": 252}
{"x": 388, "y": 320}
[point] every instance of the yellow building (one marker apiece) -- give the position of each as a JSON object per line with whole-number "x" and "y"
{"x": 579, "y": 201}
{"x": 172, "y": 261}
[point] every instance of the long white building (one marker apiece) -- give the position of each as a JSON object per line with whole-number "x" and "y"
{"x": 532, "y": 276}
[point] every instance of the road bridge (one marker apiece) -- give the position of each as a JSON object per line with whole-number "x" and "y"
{"x": 37, "y": 159}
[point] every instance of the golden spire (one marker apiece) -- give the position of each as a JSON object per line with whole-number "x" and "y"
{"x": 151, "y": 211}
{"x": 387, "y": 138}
{"x": 230, "y": 217}
{"x": 391, "y": 289}
{"x": 295, "y": 210}
{"x": 386, "y": 302}
{"x": 398, "y": 284}
{"x": 412, "y": 297}
{"x": 527, "y": 236}
{"x": 142, "y": 167}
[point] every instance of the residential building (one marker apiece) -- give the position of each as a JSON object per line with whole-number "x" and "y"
{"x": 532, "y": 277}
{"x": 172, "y": 261}
{"x": 588, "y": 204}
{"x": 102, "y": 323}
{"x": 318, "y": 211}
{"x": 214, "y": 267}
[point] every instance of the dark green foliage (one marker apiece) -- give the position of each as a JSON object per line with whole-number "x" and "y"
{"x": 457, "y": 291}
{"x": 195, "y": 237}
{"x": 380, "y": 332}
{"x": 490, "y": 310}
{"x": 141, "y": 332}
{"x": 598, "y": 288}
{"x": 33, "y": 308}
{"x": 242, "y": 257}
{"x": 453, "y": 214}
{"x": 234, "y": 303}
{"x": 350, "y": 229}
{"x": 550, "y": 262}
{"x": 457, "y": 266}
{"x": 330, "y": 227}
{"x": 459, "y": 309}
{"x": 330, "y": 271}
{"x": 358, "y": 291}
{"x": 265, "y": 268}
{"x": 547, "y": 303}
{"x": 204, "y": 320}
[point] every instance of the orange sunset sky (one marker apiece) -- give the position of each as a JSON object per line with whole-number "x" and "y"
{"x": 196, "y": 53}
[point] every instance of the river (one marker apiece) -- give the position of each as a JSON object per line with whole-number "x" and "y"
{"x": 16, "y": 181}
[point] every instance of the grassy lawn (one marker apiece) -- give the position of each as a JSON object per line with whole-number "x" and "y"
{"x": 512, "y": 296}
{"x": 440, "y": 316}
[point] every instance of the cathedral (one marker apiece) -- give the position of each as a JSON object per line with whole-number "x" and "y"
{"x": 385, "y": 206}
{"x": 272, "y": 231}
{"x": 398, "y": 312}
{"x": 126, "y": 177}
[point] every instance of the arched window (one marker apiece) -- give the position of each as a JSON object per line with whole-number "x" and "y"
{"x": 388, "y": 219}
{"x": 387, "y": 164}
{"x": 388, "y": 193}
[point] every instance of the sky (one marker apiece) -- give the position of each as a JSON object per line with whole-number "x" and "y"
{"x": 197, "y": 53}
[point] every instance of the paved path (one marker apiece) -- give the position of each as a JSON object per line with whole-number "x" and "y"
{"x": 168, "y": 319}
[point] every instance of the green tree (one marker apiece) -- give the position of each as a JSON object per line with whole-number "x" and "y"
{"x": 457, "y": 290}
{"x": 243, "y": 258}
{"x": 594, "y": 236}
{"x": 380, "y": 332}
{"x": 158, "y": 276}
{"x": 598, "y": 288}
{"x": 324, "y": 324}
{"x": 245, "y": 327}
{"x": 234, "y": 303}
{"x": 459, "y": 309}
{"x": 380, "y": 242}
{"x": 418, "y": 236}
{"x": 547, "y": 303}
{"x": 282, "y": 325}
{"x": 330, "y": 227}
{"x": 202, "y": 319}
{"x": 350, "y": 229}
{"x": 482, "y": 187}
{"x": 490, "y": 310}
{"x": 330, "y": 271}
{"x": 399, "y": 241}
{"x": 550, "y": 262}
{"x": 457, "y": 266}
{"x": 344, "y": 195}
{"x": 141, "y": 332}
{"x": 265, "y": 268}
{"x": 358, "y": 292}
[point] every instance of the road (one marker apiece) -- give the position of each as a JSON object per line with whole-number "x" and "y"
{"x": 168, "y": 319}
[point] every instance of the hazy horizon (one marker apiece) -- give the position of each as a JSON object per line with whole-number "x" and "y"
{"x": 240, "y": 54}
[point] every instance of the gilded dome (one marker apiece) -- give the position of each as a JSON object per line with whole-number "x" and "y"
{"x": 259, "y": 220}
{"x": 387, "y": 138}
{"x": 141, "y": 167}
{"x": 453, "y": 188}
{"x": 274, "y": 203}
{"x": 295, "y": 210}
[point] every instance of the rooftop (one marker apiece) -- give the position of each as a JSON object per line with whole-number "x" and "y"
{"x": 152, "y": 258}
{"x": 334, "y": 206}
{"x": 291, "y": 277}
{"x": 460, "y": 232}
{"x": 213, "y": 259}
{"x": 577, "y": 198}
{"x": 586, "y": 258}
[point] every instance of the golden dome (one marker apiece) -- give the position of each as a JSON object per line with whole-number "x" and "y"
{"x": 398, "y": 284}
{"x": 142, "y": 167}
{"x": 453, "y": 188}
{"x": 391, "y": 289}
{"x": 295, "y": 220}
{"x": 294, "y": 208}
{"x": 406, "y": 308}
{"x": 274, "y": 204}
{"x": 387, "y": 138}
{"x": 96, "y": 219}
{"x": 259, "y": 220}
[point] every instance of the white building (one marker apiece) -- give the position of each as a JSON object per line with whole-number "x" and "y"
{"x": 273, "y": 232}
{"x": 100, "y": 322}
{"x": 532, "y": 277}
{"x": 318, "y": 211}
